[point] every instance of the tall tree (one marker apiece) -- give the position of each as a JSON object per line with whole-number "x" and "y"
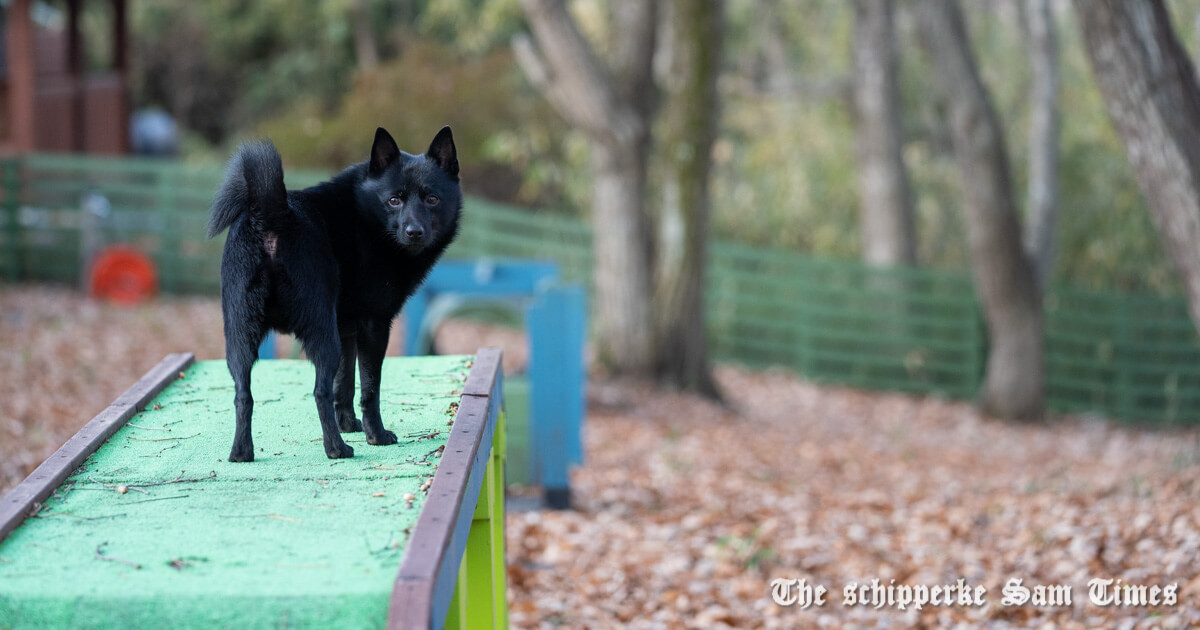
{"x": 772, "y": 47}
{"x": 888, "y": 235}
{"x": 366, "y": 48}
{"x": 692, "y": 112}
{"x": 1150, "y": 88}
{"x": 1042, "y": 209}
{"x": 1004, "y": 279}
{"x": 613, "y": 104}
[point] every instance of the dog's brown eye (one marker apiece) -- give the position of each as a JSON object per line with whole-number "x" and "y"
{"x": 431, "y": 200}
{"x": 394, "y": 201}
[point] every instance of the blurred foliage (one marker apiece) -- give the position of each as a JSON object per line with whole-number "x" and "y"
{"x": 502, "y": 130}
{"x": 796, "y": 191}
{"x": 784, "y": 169}
{"x": 220, "y": 65}
{"x": 785, "y": 172}
{"x": 492, "y": 23}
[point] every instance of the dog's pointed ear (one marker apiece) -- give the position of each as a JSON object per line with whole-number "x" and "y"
{"x": 442, "y": 152}
{"x": 384, "y": 152}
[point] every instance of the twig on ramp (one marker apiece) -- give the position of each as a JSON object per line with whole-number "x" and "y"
{"x": 100, "y": 556}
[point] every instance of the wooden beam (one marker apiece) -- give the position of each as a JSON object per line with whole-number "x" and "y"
{"x": 429, "y": 573}
{"x": 74, "y": 40}
{"x": 75, "y": 67}
{"x": 24, "y": 500}
{"x": 19, "y": 43}
{"x": 120, "y": 35}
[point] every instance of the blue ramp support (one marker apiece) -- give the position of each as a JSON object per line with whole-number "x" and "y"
{"x": 556, "y": 321}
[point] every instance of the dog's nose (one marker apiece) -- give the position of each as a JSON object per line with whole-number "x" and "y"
{"x": 414, "y": 231}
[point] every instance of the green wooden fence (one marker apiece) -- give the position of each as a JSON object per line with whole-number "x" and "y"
{"x": 1133, "y": 357}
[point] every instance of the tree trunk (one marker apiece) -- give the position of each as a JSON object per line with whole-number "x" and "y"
{"x": 612, "y": 105}
{"x": 366, "y": 50}
{"x": 777, "y": 72}
{"x": 888, "y": 235}
{"x": 1013, "y": 379}
{"x": 691, "y": 128}
{"x": 622, "y": 271}
{"x": 1196, "y": 32}
{"x": 1043, "y": 138}
{"x": 1150, "y": 87}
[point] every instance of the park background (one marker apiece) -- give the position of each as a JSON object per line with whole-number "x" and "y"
{"x": 687, "y": 508}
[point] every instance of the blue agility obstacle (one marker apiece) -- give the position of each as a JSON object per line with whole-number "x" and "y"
{"x": 555, "y": 318}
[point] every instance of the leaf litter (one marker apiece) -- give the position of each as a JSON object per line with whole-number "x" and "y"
{"x": 685, "y": 511}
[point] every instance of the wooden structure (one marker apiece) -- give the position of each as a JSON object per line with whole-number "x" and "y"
{"x": 50, "y": 97}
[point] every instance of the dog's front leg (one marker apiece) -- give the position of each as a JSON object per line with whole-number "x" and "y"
{"x": 343, "y": 388}
{"x": 372, "y": 346}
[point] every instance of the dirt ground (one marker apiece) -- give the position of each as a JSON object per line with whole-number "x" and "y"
{"x": 688, "y": 511}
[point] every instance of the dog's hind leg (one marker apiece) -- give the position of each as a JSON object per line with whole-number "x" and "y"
{"x": 343, "y": 388}
{"x": 241, "y": 351}
{"x": 322, "y": 345}
{"x": 372, "y": 346}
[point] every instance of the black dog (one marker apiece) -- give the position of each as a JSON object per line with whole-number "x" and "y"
{"x": 331, "y": 264}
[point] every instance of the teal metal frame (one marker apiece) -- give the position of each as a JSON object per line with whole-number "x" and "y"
{"x": 556, "y": 320}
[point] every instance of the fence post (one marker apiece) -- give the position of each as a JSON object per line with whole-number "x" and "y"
{"x": 977, "y": 351}
{"x": 168, "y": 256}
{"x": 12, "y": 191}
{"x": 1122, "y": 370}
{"x": 805, "y": 325}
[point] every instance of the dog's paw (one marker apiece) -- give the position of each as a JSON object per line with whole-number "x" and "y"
{"x": 339, "y": 451}
{"x": 241, "y": 454}
{"x": 382, "y": 438}
{"x": 347, "y": 423}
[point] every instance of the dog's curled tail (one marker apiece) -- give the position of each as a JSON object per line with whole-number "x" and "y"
{"x": 254, "y": 184}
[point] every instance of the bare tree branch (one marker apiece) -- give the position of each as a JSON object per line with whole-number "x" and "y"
{"x": 691, "y": 115}
{"x": 531, "y": 62}
{"x": 887, "y": 226}
{"x": 635, "y": 27}
{"x": 576, "y": 83}
{"x": 1043, "y": 137}
{"x": 613, "y": 106}
{"x": 1151, "y": 90}
{"x": 1013, "y": 384}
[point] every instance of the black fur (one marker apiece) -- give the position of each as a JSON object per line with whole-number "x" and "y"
{"x": 331, "y": 264}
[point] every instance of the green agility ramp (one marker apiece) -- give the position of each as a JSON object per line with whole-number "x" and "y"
{"x": 138, "y": 520}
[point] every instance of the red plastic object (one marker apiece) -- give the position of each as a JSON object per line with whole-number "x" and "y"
{"x": 123, "y": 275}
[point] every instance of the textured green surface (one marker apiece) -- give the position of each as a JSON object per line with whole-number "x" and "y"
{"x": 291, "y": 540}
{"x": 519, "y": 467}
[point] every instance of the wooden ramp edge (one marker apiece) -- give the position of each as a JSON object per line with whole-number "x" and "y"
{"x": 28, "y": 496}
{"x": 428, "y": 575}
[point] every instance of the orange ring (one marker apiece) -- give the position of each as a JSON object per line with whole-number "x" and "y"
{"x": 123, "y": 275}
